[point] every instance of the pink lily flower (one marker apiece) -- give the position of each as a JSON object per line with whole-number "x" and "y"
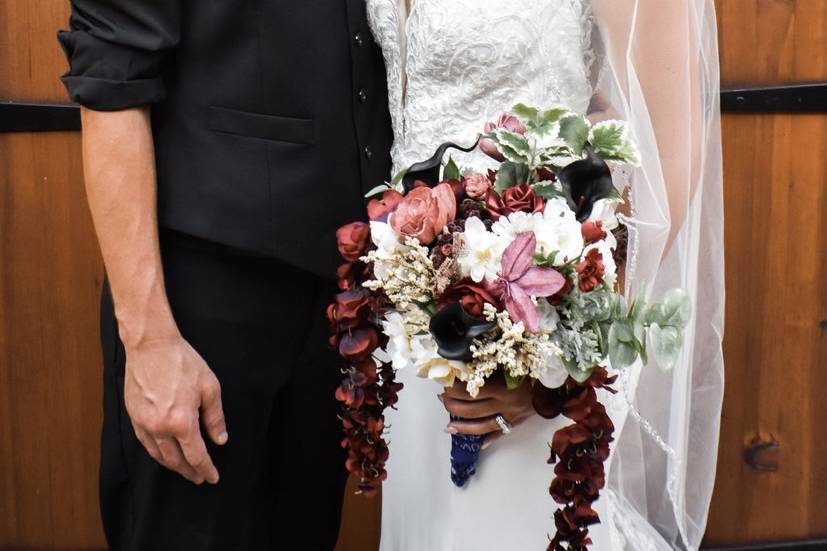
{"x": 519, "y": 280}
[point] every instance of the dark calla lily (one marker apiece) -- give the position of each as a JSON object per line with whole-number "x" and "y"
{"x": 428, "y": 171}
{"x": 454, "y": 330}
{"x": 585, "y": 182}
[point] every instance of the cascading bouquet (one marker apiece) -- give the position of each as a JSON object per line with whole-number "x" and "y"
{"x": 463, "y": 276}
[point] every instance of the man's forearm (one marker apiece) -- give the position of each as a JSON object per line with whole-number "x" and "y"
{"x": 119, "y": 166}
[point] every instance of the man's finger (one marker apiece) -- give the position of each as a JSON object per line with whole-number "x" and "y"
{"x": 212, "y": 414}
{"x": 148, "y": 443}
{"x": 195, "y": 453}
{"x": 173, "y": 459}
{"x": 478, "y": 427}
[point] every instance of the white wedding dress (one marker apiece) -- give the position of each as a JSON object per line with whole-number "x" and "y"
{"x": 452, "y": 66}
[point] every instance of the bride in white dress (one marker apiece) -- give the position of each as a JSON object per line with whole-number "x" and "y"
{"x": 452, "y": 66}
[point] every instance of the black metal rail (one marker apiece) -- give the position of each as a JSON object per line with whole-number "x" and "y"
{"x": 796, "y": 98}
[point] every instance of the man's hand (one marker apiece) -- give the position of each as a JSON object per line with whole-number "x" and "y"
{"x": 168, "y": 387}
{"x": 167, "y": 384}
{"x": 479, "y": 413}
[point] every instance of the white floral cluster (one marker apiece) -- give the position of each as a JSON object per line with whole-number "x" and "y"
{"x": 556, "y": 229}
{"x": 410, "y": 345}
{"x": 406, "y": 273}
{"x": 519, "y": 353}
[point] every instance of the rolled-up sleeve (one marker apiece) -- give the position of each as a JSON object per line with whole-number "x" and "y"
{"x": 117, "y": 49}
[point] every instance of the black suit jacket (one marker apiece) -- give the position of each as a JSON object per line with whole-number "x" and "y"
{"x": 270, "y": 117}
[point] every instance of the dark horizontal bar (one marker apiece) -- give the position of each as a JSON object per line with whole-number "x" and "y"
{"x": 794, "y": 98}
{"x": 798, "y": 98}
{"x": 808, "y": 545}
{"x": 37, "y": 117}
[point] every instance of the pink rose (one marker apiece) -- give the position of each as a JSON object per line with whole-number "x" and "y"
{"x": 476, "y": 185}
{"x": 424, "y": 212}
{"x": 509, "y": 122}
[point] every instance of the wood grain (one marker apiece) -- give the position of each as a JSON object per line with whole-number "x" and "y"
{"x": 49, "y": 358}
{"x": 776, "y": 252}
{"x": 31, "y": 59}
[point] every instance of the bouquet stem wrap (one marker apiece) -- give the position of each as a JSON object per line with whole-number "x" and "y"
{"x": 465, "y": 452}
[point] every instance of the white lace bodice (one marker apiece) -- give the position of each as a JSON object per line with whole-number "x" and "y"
{"x": 455, "y": 64}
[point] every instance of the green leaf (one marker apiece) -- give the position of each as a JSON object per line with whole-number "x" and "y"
{"x": 451, "y": 171}
{"x": 548, "y": 190}
{"x": 397, "y": 178}
{"x": 579, "y": 375}
{"x": 666, "y": 345}
{"x": 526, "y": 113}
{"x": 623, "y": 331}
{"x": 621, "y": 354}
{"x": 510, "y": 175}
{"x": 512, "y": 382}
{"x": 574, "y": 129}
{"x": 678, "y": 307}
{"x": 550, "y": 116}
{"x": 610, "y": 142}
{"x": 377, "y": 190}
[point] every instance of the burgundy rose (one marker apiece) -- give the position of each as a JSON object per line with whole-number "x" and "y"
{"x": 592, "y": 231}
{"x": 590, "y": 271}
{"x": 470, "y": 296}
{"x": 509, "y": 122}
{"x": 520, "y": 198}
{"x": 476, "y": 185}
{"x": 424, "y": 212}
{"x": 379, "y": 209}
{"x": 352, "y": 240}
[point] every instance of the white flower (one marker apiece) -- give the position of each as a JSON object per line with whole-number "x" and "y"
{"x": 604, "y": 210}
{"x": 559, "y": 230}
{"x": 443, "y": 371}
{"x": 404, "y": 350}
{"x": 515, "y": 224}
{"x": 387, "y": 246}
{"x": 481, "y": 252}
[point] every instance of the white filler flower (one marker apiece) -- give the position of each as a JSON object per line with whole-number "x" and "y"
{"x": 482, "y": 251}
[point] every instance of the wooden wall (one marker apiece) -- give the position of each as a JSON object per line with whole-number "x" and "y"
{"x": 776, "y": 352}
{"x": 776, "y": 254}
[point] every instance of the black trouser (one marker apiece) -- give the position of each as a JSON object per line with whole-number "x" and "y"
{"x": 260, "y": 326}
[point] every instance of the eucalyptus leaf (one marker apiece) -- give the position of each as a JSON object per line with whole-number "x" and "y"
{"x": 621, "y": 354}
{"x": 677, "y": 304}
{"x": 666, "y": 345}
{"x": 579, "y": 375}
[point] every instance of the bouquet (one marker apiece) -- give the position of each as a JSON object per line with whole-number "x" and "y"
{"x": 462, "y": 276}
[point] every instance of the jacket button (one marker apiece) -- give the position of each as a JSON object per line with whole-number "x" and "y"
{"x": 363, "y": 95}
{"x": 359, "y": 39}
{"x": 368, "y": 153}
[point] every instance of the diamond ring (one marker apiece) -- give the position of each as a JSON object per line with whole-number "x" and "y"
{"x": 505, "y": 426}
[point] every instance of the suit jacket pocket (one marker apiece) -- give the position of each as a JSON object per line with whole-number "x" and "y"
{"x": 258, "y": 125}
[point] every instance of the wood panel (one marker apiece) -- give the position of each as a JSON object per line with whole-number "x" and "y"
{"x": 776, "y": 254}
{"x": 30, "y": 57}
{"x": 49, "y": 357}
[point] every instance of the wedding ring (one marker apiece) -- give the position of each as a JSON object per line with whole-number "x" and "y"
{"x": 505, "y": 426}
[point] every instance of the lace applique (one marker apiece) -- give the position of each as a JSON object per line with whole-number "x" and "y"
{"x": 454, "y": 65}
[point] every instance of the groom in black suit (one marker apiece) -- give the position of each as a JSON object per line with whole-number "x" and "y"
{"x": 224, "y": 142}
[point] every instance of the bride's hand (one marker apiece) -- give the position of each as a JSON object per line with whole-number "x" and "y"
{"x": 479, "y": 413}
